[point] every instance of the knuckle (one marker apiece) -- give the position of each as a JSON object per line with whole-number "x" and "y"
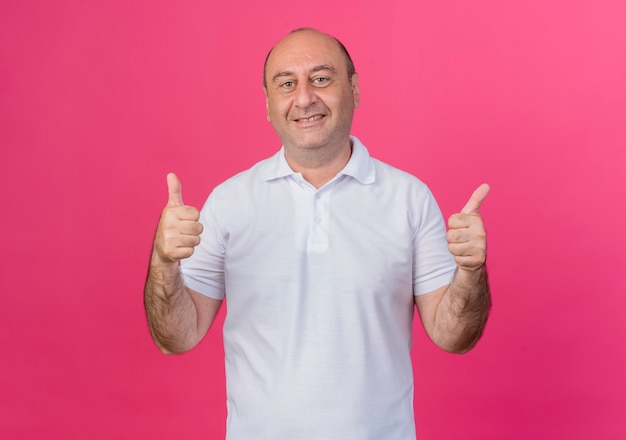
{"x": 197, "y": 228}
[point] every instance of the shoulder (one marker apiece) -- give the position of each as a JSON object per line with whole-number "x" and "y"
{"x": 389, "y": 172}
{"x": 369, "y": 170}
{"x": 246, "y": 181}
{"x": 397, "y": 182}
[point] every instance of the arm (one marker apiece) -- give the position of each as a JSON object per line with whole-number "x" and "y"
{"x": 454, "y": 316}
{"x": 178, "y": 317}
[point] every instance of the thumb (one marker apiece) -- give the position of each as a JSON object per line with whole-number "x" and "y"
{"x": 174, "y": 190}
{"x": 476, "y": 199}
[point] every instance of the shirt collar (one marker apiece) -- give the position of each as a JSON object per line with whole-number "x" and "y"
{"x": 360, "y": 166}
{"x": 276, "y": 167}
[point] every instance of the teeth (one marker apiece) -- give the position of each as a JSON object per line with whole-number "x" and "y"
{"x": 312, "y": 118}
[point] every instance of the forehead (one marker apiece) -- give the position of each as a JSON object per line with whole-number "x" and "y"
{"x": 304, "y": 50}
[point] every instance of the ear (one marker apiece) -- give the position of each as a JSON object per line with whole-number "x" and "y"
{"x": 267, "y": 104}
{"x": 354, "y": 82}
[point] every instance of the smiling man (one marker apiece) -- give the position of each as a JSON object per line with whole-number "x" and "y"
{"x": 322, "y": 253}
{"x": 312, "y": 91}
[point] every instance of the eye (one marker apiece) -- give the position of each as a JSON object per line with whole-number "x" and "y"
{"x": 320, "y": 80}
{"x": 287, "y": 85}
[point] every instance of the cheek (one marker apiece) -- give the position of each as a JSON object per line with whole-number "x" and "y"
{"x": 277, "y": 109}
{"x": 347, "y": 106}
{"x": 276, "y": 115}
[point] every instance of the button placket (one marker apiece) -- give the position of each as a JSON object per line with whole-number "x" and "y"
{"x": 318, "y": 238}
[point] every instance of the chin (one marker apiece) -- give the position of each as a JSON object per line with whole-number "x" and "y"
{"x": 308, "y": 142}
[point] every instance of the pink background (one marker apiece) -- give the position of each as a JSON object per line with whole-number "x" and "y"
{"x": 99, "y": 100}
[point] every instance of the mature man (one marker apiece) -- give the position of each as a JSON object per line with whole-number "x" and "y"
{"x": 322, "y": 253}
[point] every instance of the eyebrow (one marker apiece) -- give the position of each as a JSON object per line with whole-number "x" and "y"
{"x": 313, "y": 70}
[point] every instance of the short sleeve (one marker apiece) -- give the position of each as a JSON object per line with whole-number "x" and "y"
{"x": 204, "y": 270}
{"x": 433, "y": 264}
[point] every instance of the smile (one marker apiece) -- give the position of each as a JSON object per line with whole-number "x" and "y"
{"x": 311, "y": 119}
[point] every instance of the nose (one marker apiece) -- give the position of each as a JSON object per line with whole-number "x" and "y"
{"x": 304, "y": 95}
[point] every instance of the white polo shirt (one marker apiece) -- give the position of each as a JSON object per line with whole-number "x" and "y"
{"x": 319, "y": 287}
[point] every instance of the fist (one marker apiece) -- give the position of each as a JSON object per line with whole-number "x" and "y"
{"x": 178, "y": 232}
{"x": 467, "y": 239}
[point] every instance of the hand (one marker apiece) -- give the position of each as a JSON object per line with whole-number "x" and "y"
{"x": 179, "y": 230}
{"x": 467, "y": 239}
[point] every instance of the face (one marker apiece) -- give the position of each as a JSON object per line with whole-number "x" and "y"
{"x": 310, "y": 98}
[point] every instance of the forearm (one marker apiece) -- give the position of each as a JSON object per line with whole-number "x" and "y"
{"x": 172, "y": 314}
{"x": 461, "y": 315}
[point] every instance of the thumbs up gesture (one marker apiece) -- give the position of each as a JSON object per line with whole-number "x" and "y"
{"x": 467, "y": 239}
{"x": 178, "y": 232}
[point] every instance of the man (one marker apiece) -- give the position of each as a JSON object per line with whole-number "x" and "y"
{"x": 322, "y": 253}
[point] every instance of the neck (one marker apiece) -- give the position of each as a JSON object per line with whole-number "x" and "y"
{"x": 316, "y": 167}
